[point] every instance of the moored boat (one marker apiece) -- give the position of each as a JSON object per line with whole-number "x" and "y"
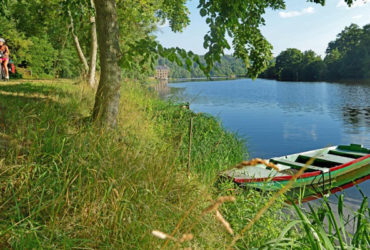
{"x": 328, "y": 164}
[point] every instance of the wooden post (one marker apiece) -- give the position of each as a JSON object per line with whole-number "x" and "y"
{"x": 189, "y": 149}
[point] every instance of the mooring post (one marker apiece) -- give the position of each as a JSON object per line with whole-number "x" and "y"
{"x": 189, "y": 149}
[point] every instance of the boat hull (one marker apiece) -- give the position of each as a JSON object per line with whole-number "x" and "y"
{"x": 322, "y": 177}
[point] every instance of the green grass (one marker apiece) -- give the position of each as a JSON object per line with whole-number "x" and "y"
{"x": 66, "y": 184}
{"x": 322, "y": 228}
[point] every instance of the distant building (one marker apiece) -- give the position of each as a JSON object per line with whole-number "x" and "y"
{"x": 162, "y": 72}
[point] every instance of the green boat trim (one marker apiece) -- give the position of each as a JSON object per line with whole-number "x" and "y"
{"x": 339, "y": 184}
{"x": 329, "y": 163}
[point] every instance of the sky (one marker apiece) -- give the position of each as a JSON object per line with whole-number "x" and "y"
{"x": 301, "y": 25}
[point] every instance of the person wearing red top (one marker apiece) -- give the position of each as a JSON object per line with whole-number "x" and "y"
{"x": 5, "y": 57}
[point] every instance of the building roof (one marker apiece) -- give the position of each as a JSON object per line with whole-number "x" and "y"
{"x": 162, "y": 67}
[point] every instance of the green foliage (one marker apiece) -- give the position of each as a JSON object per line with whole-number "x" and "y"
{"x": 213, "y": 148}
{"x": 288, "y": 63}
{"x": 346, "y": 40}
{"x": 176, "y": 12}
{"x": 17, "y": 42}
{"x": 37, "y": 34}
{"x": 228, "y": 66}
{"x": 240, "y": 20}
{"x": 347, "y": 58}
{"x": 42, "y": 57}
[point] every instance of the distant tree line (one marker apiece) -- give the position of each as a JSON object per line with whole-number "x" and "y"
{"x": 228, "y": 67}
{"x": 347, "y": 58}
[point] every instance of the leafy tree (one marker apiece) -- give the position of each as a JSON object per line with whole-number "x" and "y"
{"x": 312, "y": 67}
{"x": 43, "y": 56}
{"x": 18, "y": 43}
{"x": 228, "y": 66}
{"x": 365, "y": 45}
{"x": 288, "y": 64}
{"x": 347, "y": 58}
{"x": 347, "y": 39}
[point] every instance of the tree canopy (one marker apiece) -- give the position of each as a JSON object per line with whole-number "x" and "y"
{"x": 228, "y": 66}
{"x": 347, "y": 58}
{"x": 37, "y": 27}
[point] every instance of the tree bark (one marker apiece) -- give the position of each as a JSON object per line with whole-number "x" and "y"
{"x": 93, "y": 53}
{"x": 108, "y": 94}
{"x": 77, "y": 45}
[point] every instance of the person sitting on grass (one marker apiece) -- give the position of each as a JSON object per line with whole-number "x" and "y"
{"x": 5, "y": 57}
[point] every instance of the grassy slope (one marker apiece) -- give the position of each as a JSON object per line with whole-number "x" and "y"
{"x": 65, "y": 184}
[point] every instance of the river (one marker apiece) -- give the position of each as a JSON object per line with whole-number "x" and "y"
{"x": 280, "y": 118}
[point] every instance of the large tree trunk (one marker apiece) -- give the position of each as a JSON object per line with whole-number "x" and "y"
{"x": 93, "y": 53}
{"x": 78, "y": 46}
{"x": 108, "y": 93}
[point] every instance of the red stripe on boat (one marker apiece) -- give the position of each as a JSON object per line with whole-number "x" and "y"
{"x": 305, "y": 175}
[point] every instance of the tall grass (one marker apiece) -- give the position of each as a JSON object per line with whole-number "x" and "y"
{"x": 66, "y": 184}
{"x": 322, "y": 228}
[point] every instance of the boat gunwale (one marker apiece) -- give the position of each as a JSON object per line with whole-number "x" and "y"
{"x": 304, "y": 175}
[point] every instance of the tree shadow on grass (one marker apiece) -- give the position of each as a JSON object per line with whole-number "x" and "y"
{"x": 32, "y": 89}
{"x": 26, "y": 110}
{"x": 24, "y": 115}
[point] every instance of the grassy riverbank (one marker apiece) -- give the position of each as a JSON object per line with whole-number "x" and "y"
{"x": 65, "y": 184}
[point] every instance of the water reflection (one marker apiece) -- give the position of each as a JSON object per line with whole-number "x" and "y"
{"x": 279, "y": 118}
{"x": 356, "y": 116}
{"x": 162, "y": 88}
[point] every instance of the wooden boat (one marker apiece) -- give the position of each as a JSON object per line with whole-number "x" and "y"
{"x": 329, "y": 164}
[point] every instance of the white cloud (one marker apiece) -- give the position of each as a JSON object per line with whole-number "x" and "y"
{"x": 357, "y": 17}
{"x": 288, "y": 14}
{"x": 355, "y": 4}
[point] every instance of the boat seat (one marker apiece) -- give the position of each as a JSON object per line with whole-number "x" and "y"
{"x": 329, "y": 157}
{"x": 347, "y": 153}
{"x": 297, "y": 164}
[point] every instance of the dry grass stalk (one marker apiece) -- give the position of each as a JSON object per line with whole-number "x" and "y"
{"x": 164, "y": 236}
{"x": 256, "y": 161}
{"x": 219, "y": 217}
{"x": 224, "y": 222}
{"x": 186, "y": 237}
{"x": 181, "y": 221}
{"x": 218, "y": 202}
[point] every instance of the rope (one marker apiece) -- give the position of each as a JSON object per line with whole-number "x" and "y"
{"x": 257, "y": 161}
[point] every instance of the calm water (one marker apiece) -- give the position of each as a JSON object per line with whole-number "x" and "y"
{"x": 280, "y": 118}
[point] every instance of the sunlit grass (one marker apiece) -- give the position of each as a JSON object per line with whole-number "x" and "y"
{"x": 66, "y": 184}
